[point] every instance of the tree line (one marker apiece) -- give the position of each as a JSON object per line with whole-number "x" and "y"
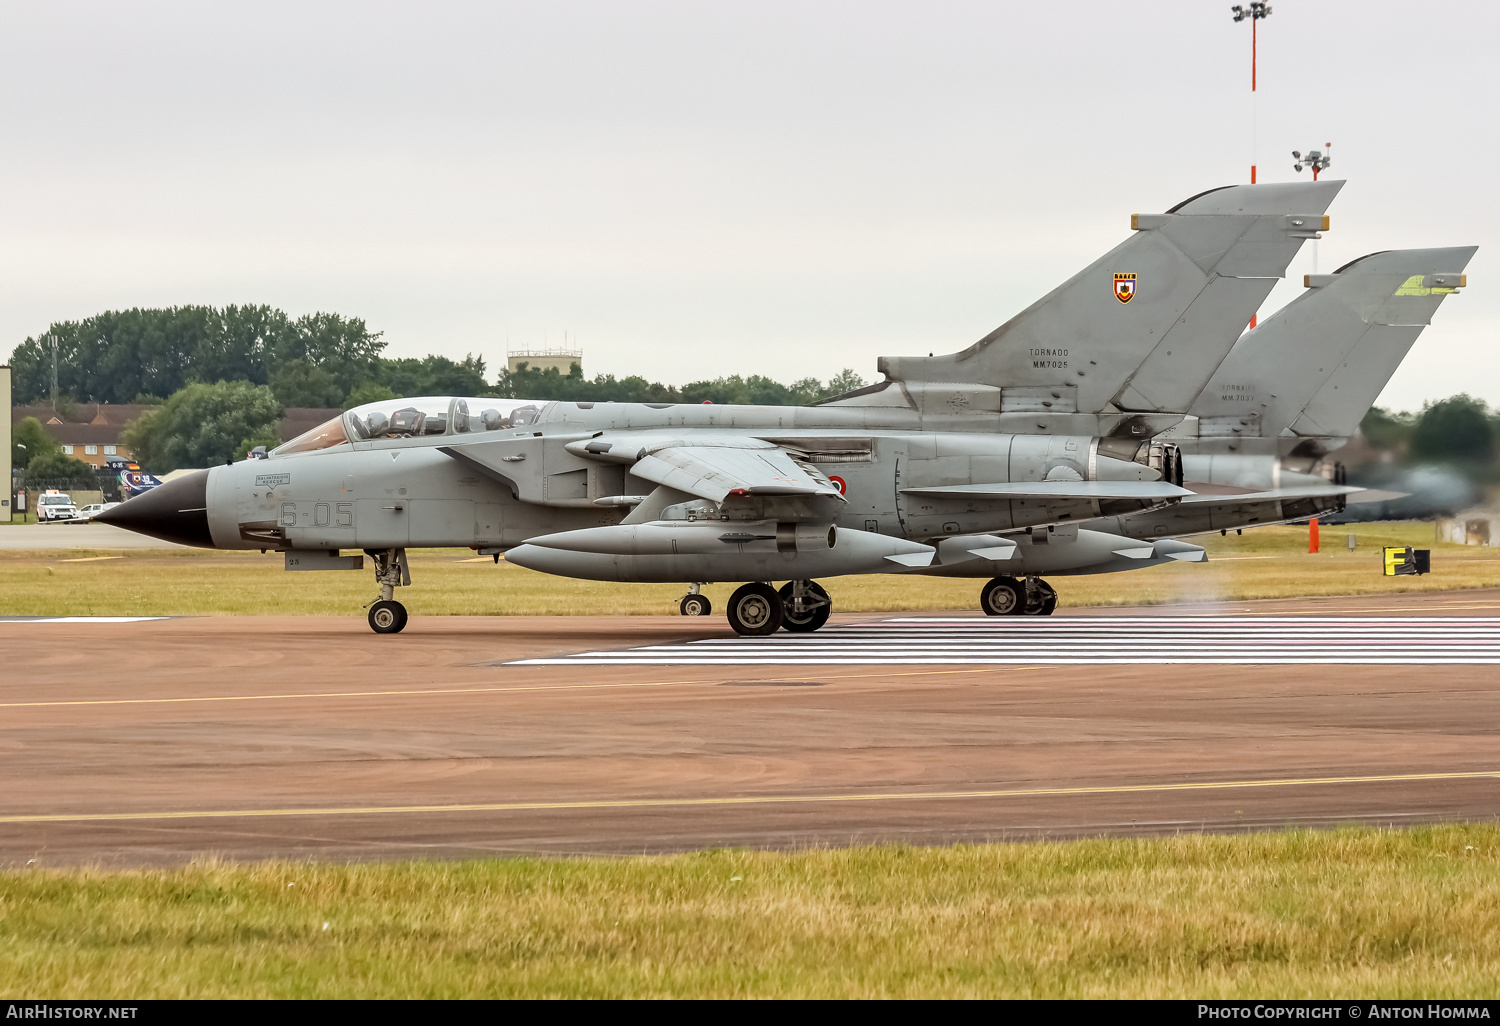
{"x": 1460, "y": 431}
{"x": 216, "y": 381}
{"x": 319, "y": 360}
{"x": 146, "y": 355}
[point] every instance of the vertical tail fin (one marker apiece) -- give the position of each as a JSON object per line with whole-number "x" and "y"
{"x": 1143, "y": 327}
{"x": 1357, "y": 381}
{"x": 1324, "y": 357}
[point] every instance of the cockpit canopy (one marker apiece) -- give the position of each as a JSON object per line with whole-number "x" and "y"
{"x": 415, "y": 418}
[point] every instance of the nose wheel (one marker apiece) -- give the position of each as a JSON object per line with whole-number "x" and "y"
{"x": 387, "y": 617}
{"x": 695, "y": 603}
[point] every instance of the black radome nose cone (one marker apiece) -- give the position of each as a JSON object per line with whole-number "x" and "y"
{"x": 176, "y": 512}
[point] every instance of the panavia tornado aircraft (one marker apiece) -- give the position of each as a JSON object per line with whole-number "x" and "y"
{"x": 1255, "y": 445}
{"x": 1049, "y": 421}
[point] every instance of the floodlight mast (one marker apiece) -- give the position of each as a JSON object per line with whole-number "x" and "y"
{"x": 1253, "y": 13}
{"x": 1318, "y": 160}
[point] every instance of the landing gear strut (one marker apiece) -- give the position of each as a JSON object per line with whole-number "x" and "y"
{"x": 1041, "y": 598}
{"x": 386, "y": 615}
{"x": 805, "y": 606}
{"x": 695, "y": 603}
{"x": 755, "y": 610}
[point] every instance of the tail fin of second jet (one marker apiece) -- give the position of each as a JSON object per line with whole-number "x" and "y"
{"x": 1142, "y": 328}
{"x": 1348, "y": 393}
{"x": 1321, "y": 360}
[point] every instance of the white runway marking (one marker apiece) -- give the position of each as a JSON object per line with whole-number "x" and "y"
{"x": 80, "y": 619}
{"x": 1089, "y": 641}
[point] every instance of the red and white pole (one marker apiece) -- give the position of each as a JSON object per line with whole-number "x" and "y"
{"x": 1254, "y": 111}
{"x": 1254, "y": 116}
{"x": 1253, "y": 11}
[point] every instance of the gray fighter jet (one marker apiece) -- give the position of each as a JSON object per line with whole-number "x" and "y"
{"x": 1047, "y": 421}
{"x": 1255, "y": 447}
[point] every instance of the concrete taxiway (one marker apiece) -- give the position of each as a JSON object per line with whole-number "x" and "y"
{"x": 158, "y": 741}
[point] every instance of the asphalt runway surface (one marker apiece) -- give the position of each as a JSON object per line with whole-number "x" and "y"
{"x": 158, "y": 741}
{"x": 60, "y": 535}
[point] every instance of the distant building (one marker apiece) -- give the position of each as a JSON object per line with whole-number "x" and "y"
{"x": 561, "y": 360}
{"x": 91, "y": 431}
{"x": 1472, "y": 527}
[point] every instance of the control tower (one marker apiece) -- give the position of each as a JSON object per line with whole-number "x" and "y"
{"x": 545, "y": 359}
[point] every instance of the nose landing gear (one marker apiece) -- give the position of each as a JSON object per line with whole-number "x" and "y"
{"x": 695, "y": 603}
{"x": 386, "y": 615}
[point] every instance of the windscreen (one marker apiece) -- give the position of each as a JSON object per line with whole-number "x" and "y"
{"x": 323, "y": 436}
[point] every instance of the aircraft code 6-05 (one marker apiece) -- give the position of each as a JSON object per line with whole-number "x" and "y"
{"x": 322, "y": 514}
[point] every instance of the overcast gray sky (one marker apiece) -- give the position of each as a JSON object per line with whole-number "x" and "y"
{"x": 696, "y": 188}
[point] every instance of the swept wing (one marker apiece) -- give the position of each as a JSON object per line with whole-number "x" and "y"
{"x": 713, "y": 467}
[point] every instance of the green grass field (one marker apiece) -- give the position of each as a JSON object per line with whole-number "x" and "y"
{"x": 1269, "y": 562}
{"x": 1345, "y": 913}
{"x": 1351, "y": 913}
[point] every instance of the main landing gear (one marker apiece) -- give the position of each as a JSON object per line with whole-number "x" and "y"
{"x": 386, "y": 615}
{"x": 805, "y": 606}
{"x": 755, "y": 610}
{"x": 1006, "y": 596}
{"x": 758, "y": 609}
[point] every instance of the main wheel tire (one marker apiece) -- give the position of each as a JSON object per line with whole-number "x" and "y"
{"x": 696, "y": 605}
{"x": 809, "y": 619}
{"x": 1003, "y": 596}
{"x": 755, "y": 610}
{"x": 387, "y": 617}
